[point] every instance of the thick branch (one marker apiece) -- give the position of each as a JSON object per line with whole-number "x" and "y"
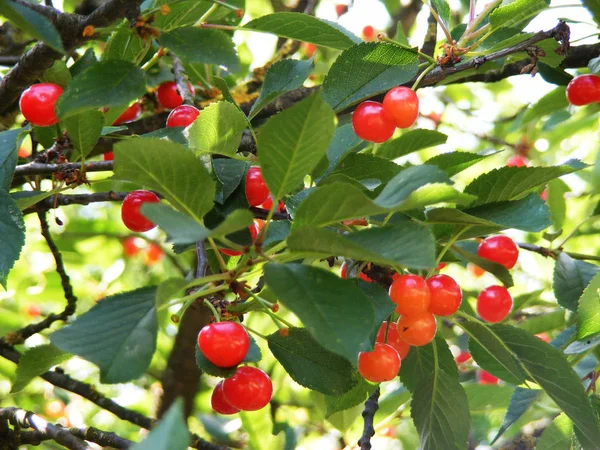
{"x": 371, "y": 407}
{"x": 35, "y": 168}
{"x": 90, "y": 434}
{"x": 58, "y": 200}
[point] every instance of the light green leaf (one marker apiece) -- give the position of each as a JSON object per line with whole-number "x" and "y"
{"x": 409, "y": 142}
{"x": 593, "y": 6}
{"x": 25, "y": 199}
{"x": 551, "y": 102}
{"x": 35, "y": 361}
{"x": 406, "y": 182}
{"x": 8, "y": 157}
{"x": 180, "y": 228}
{"x": 259, "y": 426}
{"x": 118, "y": 335}
{"x": 84, "y": 130}
{"x": 558, "y": 435}
{"x": 455, "y": 162}
{"x": 168, "y": 168}
{"x": 588, "y": 313}
{"x": 58, "y": 73}
{"x": 516, "y": 13}
{"x": 355, "y": 396}
{"x": 170, "y": 434}
{"x": 125, "y": 44}
{"x": 218, "y": 129}
{"x": 571, "y": 277}
{"x": 556, "y": 201}
{"x": 12, "y": 232}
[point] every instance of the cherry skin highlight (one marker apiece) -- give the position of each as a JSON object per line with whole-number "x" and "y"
{"x": 169, "y": 97}
{"x": 257, "y": 191}
{"x": 218, "y": 402}
{"x": 494, "y": 303}
{"x": 499, "y": 249}
{"x": 401, "y": 106}
{"x": 37, "y": 104}
{"x": 382, "y": 364}
{"x": 410, "y": 293}
{"x": 130, "y": 210}
{"x": 131, "y": 113}
{"x": 250, "y": 389}
{"x": 393, "y": 339}
{"x": 370, "y": 123}
{"x": 583, "y": 90}
{"x": 362, "y": 276}
{"x": 225, "y": 344}
{"x": 446, "y": 295}
{"x": 182, "y": 116}
{"x": 418, "y": 329}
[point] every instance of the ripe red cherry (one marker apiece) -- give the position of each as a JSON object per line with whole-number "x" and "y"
{"x": 153, "y": 254}
{"x": 484, "y": 377}
{"x": 382, "y": 364}
{"x": 257, "y": 191}
{"x": 462, "y": 358}
{"x": 401, "y": 106}
{"x": 131, "y": 113}
{"x": 340, "y": 9}
{"x": 182, "y": 116}
{"x": 34, "y": 310}
{"x": 250, "y": 389}
{"x": 130, "y": 210}
{"x": 254, "y": 230}
{"x": 475, "y": 270}
{"x": 37, "y": 103}
{"x": 268, "y": 204}
{"x": 583, "y": 90}
{"x": 494, "y": 303}
{"x": 368, "y": 33}
{"x": 500, "y": 249}
{"x": 393, "y": 339}
{"x": 169, "y": 97}
{"x": 108, "y": 156}
{"x": 225, "y": 344}
{"x": 130, "y": 247}
{"x": 446, "y": 295}
{"x": 410, "y": 293}
{"x": 418, "y": 329}
{"x": 370, "y": 123}
{"x": 218, "y": 402}
{"x": 517, "y": 161}
{"x": 544, "y": 195}
{"x": 362, "y": 276}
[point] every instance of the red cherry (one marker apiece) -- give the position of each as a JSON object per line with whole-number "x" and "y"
{"x": 168, "y": 95}
{"x": 410, "y": 293}
{"x": 182, "y": 116}
{"x": 23, "y": 152}
{"x": 401, "y": 106}
{"x": 250, "y": 389}
{"x": 445, "y": 295}
{"x": 393, "y": 339}
{"x": 153, "y": 254}
{"x": 309, "y": 49}
{"x": 108, "y": 156}
{"x": 218, "y": 402}
{"x": 130, "y": 114}
{"x": 494, "y": 303}
{"x": 34, "y": 310}
{"x": 543, "y": 336}
{"x": 382, "y": 364}
{"x": 254, "y": 230}
{"x": 37, "y": 103}
{"x": 418, "y": 329}
{"x": 257, "y": 191}
{"x": 462, "y": 358}
{"x": 225, "y": 344}
{"x": 583, "y": 90}
{"x": 476, "y": 271}
{"x": 362, "y": 276}
{"x": 500, "y": 249}
{"x": 440, "y": 266}
{"x": 340, "y": 9}
{"x": 368, "y": 33}
{"x": 544, "y": 195}
{"x": 130, "y": 247}
{"x": 484, "y": 377}
{"x": 517, "y": 161}
{"x": 130, "y": 210}
{"x": 370, "y": 123}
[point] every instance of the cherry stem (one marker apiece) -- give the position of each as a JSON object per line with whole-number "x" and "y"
{"x": 449, "y": 244}
{"x": 574, "y": 231}
{"x": 155, "y": 58}
{"x": 387, "y": 328}
{"x": 267, "y": 308}
{"x": 213, "y": 309}
{"x": 222, "y": 264}
{"x": 440, "y": 23}
{"x": 422, "y": 75}
{"x": 254, "y": 332}
{"x": 473, "y": 24}
{"x": 206, "y": 15}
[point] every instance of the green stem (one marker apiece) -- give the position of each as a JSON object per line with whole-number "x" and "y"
{"x": 193, "y": 296}
{"x": 155, "y": 58}
{"x": 276, "y": 248}
{"x": 254, "y": 332}
{"x": 440, "y": 23}
{"x": 422, "y": 75}
{"x": 206, "y": 15}
{"x": 213, "y": 309}
{"x": 472, "y": 26}
{"x": 222, "y": 264}
{"x": 207, "y": 279}
{"x": 449, "y": 244}
{"x": 574, "y": 231}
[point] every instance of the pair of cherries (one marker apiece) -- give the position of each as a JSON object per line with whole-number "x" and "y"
{"x": 226, "y": 344}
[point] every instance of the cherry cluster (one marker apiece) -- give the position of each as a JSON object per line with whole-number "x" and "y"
{"x": 226, "y": 344}
{"x": 376, "y": 122}
{"x": 583, "y": 90}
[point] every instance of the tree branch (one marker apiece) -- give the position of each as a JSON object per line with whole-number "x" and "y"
{"x": 181, "y": 80}
{"x": 90, "y": 434}
{"x": 550, "y": 253}
{"x": 58, "y": 200}
{"x": 36, "y": 168}
{"x": 371, "y": 407}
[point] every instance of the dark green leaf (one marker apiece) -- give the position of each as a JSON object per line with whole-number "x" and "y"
{"x": 588, "y": 313}
{"x": 58, "y": 73}
{"x": 335, "y": 311}
{"x": 84, "y": 130}
{"x": 118, "y": 335}
{"x": 282, "y": 77}
{"x": 365, "y": 70}
{"x": 355, "y": 396}
{"x": 12, "y": 230}
{"x": 362, "y": 167}
{"x": 209, "y": 368}
{"x": 570, "y": 279}
{"x": 87, "y": 60}
{"x": 8, "y": 157}
{"x": 303, "y": 27}
{"x": 230, "y": 173}
{"x": 520, "y": 402}
{"x": 516, "y": 13}
{"x": 455, "y": 162}
{"x": 35, "y": 361}
{"x": 381, "y": 302}
{"x": 104, "y": 84}
{"x": 406, "y": 182}
{"x": 410, "y": 142}
{"x": 171, "y": 432}
{"x": 125, "y": 44}
{"x": 421, "y": 362}
{"x": 311, "y": 365}
{"x": 556, "y": 202}
{"x": 344, "y": 142}
{"x": 218, "y": 129}
{"x": 180, "y": 228}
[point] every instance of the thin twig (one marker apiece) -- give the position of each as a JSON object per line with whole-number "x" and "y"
{"x": 181, "y": 80}
{"x": 90, "y": 434}
{"x": 35, "y": 168}
{"x": 371, "y": 407}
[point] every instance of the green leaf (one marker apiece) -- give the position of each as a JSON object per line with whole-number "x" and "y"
{"x": 291, "y": 143}
{"x": 118, "y": 335}
{"x": 35, "y": 361}
{"x": 33, "y": 23}
{"x": 230, "y": 173}
{"x": 239, "y": 219}
{"x": 259, "y": 427}
{"x": 593, "y": 6}
{"x": 570, "y": 279}
{"x": 407, "y": 244}
{"x": 25, "y": 199}
{"x": 218, "y": 129}
{"x": 303, "y": 27}
{"x": 335, "y": 311}
{"x": 365, "y": 70}
{"x": 344, "y": 142}
{"x": 84, "y": 130}
{"x": 202, "y": 46}
{"x": 512, "y": 183}
{"x": 520, "y": 402}
{"x": 171, "y": 433}
{"x": 311, "y": 365}
{"x": 104, "y": 84}
{"x": 443, "y": 11}
{"x": 498, "y": 270}
{"x": 549, "y": 103}
{"x": 485, "y": 399}
{"x": 544, "y": 322}
{"x": 282, "y": 77}
{"x": 58, "y": 73}
{"x": 381, "y": 301}
{"x": 421, "y": 362}
{"x": 455, "y": 162}
{"x": 125, "y": 44}
{"x": 8, "y": 157}
{"x": 549, "y": 368}
{"x": 410, "y": 142}
{"x": 12, "y": 230}
{"x": 349, "y": 399}
{"x": 180, "y": 228}
{"x": 362, "y": 167}
{"x": 222, "y": 85}
{"x": 558, "y": 435}
{"x": 588, "y": 313}
{"x": 556, "y": 201}
{"x": 406, "y": 182}
{"x": 168, "y": 168}
{"x": 516, "y": 13}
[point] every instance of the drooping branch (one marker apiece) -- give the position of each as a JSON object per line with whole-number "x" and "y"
{"x": 368, "y": 414}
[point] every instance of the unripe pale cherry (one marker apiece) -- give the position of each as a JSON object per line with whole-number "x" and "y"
{"x": 500, "y": 249}
{"x": 445, "y": 295}
{"x": 218, "y": 402}
{"x": 583, "y": 90}
{"x": 494, "y": 303}
{"x": 225, "y": 344}
{"x": 401, "y": 106}
{"x": 182, "y": 116}
{"x": 37, "y": 104}
{"x": 250, "y": 389}
{"x": 370, "y": 123}
{"x": 130, "y": 210}
{"x": 417, "y": 329}
{"x": 168, "y": 95}
{"x": 410, "y": 293}
{"x": 382, "y": 364}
